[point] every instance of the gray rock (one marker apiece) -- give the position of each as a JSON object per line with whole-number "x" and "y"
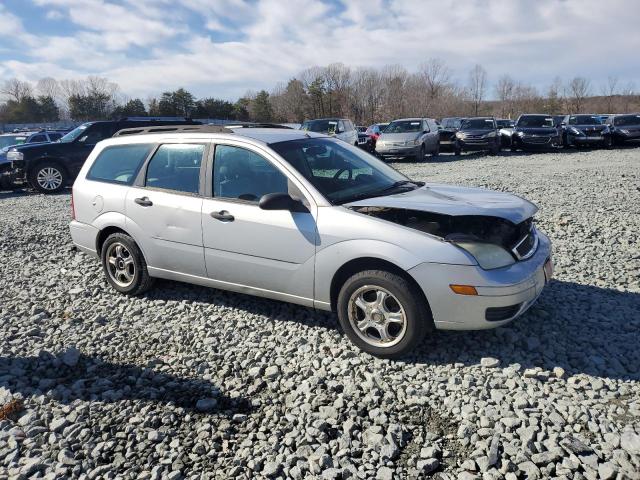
{"x": 489, "y": 362}
{"x": 206, "y": 404}
{"x": 71, "y": 356}
{"x": 384, "y": 473}
{"x": 630, "y": 442}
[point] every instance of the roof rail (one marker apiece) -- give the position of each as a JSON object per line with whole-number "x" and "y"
{"x": 172, "y": 129}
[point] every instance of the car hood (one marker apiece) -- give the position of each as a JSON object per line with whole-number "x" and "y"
{"x": 537, "y": 130}
{"x": 399, "y": 137}
{"x": 33, "y": 147}
{"x": 456, "y": 201}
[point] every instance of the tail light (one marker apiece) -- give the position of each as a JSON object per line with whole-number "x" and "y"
{"x": 73, "y": 208}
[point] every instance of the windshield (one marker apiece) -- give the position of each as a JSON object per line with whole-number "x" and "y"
{"x": 9, "y": 140}
{"x": 584, "y": 120}
{"x": 75, "y": 133}
{"x": 321, "y": 126}
{"x": 536, "y": 121}
{"x": 478, "y": 124}
{"x": 626, "y": 120}
{"x": 341, "y": 172}
{"x": 404, "y": 126}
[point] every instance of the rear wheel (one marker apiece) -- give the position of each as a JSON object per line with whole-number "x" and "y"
{"x": 383, "y": 313}
{"x": 124, "y": 265}
{"x": 48, "y": 177}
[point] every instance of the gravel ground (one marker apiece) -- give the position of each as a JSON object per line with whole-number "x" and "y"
{"x": 188, "y": 381}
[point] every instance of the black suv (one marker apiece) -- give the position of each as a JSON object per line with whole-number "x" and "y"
{"x": 49, "y": 167}
{"x": 450, "y": 126}
{"x": 535, "y": 132}
{"x": 477, "y": 133}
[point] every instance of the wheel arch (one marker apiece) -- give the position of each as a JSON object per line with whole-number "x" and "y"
{"x": 360, "y": 264}
{"x": 104, "y": 233}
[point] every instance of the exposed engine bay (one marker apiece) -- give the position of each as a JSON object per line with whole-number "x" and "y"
{"x": 464, "y": 228}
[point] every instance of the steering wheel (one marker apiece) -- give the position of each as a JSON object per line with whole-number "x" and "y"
{"x": 342, "y": 170}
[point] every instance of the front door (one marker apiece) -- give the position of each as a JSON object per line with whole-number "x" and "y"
{"x": 164, "y": 211}
{"x": 245, "y": 246}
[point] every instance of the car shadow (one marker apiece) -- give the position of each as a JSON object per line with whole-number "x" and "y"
{"x": 580, "y": 328}
{"x": 96, "y": 379}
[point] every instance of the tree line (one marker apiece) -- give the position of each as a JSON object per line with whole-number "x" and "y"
{"x": 366, "y": 95}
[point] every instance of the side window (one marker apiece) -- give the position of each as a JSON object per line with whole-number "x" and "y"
{"x": 425, "y": 126}
{"x": 348, "y": 125}
{"x": 38, "y": 138}
{"x": 119, "y": 164}
{"x": 176, "y": 167}
{"x": 341, "y": 127}
{"x": 95, "y": 133}
{"x": 54, "y": 136}
{"x": 242, "y": 174}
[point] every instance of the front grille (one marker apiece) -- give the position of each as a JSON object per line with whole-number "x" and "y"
{"x": 536, "y": 140}
{"x": 526, "y": 246}
{"x": 496, "y": 314}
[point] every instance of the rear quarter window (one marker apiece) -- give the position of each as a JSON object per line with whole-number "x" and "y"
{"x": 119, "y": 163}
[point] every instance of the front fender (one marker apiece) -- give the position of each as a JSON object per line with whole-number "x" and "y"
{"x": 331, "y": 258}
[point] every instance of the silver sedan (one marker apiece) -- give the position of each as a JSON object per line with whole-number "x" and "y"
{"x": 308, "y": 219}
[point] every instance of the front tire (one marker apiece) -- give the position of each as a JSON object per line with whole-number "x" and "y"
{"x": 457, "y": 151}
{"x": 436, "y": 151}
{"x": 48, "y": 177}
{"x": 124, "y": 265}
{"x": 383, "y": 313}
{"x": 608, "y": 142}
{"x": 421, "y": 153}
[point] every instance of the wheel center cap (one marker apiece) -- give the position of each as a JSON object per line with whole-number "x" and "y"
{"x": 120, "y": 264}
{"x": 377, "y": 316}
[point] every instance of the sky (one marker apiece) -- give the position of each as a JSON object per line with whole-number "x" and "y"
{"x": 223, "y": 48}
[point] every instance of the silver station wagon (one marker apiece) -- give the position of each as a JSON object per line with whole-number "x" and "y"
{"x": 308, "y": 219}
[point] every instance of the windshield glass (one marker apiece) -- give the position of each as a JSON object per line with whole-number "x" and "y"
{"x": 321, "y": 126}
{"x": 626, "y": 120}
{"x": 404, "y": 126}
{"x": 478, "y": 124}
{"x": 339, "y": 171}
{"x": 537, "y": 121}
{"x": 8, "y": 140}
{"x": 584, "y": 120}
{"x": 75, "y": 133}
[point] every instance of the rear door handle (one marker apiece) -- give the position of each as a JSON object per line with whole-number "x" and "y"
{"x": 144, "y": 201}
{"x": 223, "y": 216}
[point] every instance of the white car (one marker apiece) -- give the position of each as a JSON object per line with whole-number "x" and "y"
{"x": 308, "y": 219}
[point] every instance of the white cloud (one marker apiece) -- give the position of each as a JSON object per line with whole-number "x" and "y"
{"x": 151, "y": 45}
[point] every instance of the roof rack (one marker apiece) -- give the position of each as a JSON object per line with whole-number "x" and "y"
{"x": 172, "y": 129}
{"x": 257, "y": 125}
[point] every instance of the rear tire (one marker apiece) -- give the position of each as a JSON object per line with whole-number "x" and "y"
{"x": 48, "y": 177}
{"x": 124, "y": 265}
{"x": 383, "y": 313}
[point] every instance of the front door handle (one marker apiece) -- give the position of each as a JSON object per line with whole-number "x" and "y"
{"x": 223, "y": 216}
{"x": 144, "y": 201}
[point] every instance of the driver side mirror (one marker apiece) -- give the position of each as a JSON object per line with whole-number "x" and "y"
{"x": 281, "y": 201}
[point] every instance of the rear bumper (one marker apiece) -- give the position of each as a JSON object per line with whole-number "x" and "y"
{"x": 503, "y": 294}
{"x": 84, "y": 237}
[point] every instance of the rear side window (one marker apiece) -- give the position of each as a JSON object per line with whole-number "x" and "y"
{"x": 176, "y": 167}
{"x": 38, "y": 138}
{"x": 119, "y": 163}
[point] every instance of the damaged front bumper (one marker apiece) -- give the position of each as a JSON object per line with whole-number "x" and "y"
{"x": 503, "y": 294}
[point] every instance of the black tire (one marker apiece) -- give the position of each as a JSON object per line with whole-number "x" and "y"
{"x": 421, "y": 153}
{"x": 436, "y": 151}
{"x": 514, "y": 147}
{"x": 608, "y": 142}
{"x": 457, "y": 151}
{"x": 417, "y": 315}
{"x": 48, "y": 177}
{"x": 141, "y": 281}
{"x": 495, "y": 149}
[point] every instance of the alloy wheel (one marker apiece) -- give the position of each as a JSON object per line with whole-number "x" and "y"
{"x": 120, "y": 265}
{"x": 377, "y": 316}
{"x": 49, "y": 178}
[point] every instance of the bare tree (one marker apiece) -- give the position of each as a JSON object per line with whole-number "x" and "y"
{"x": 579, "y": 88}
{"x": 477, "y": 86}
{"x": 48, "y": 87}
{"x": 16, "y": 89}
{"x": 436, "y": 76}
{"x": 609, "y": 90}
{"x": 505, "y": 91}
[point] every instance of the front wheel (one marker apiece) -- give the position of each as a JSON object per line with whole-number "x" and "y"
{"x": 436, "y": 151}
{"x": 457, "y": 151}
{"x": 608, "y": 141}
{"x": 48, "y": 177}
{"x": 421, "y": 153}
{"x": 124, "y": 265}
{"x": 383, "y": 313}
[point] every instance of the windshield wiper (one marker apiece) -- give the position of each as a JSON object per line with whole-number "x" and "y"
{"x": 379, "y": 193}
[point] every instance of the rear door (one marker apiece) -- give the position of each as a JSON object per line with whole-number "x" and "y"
{"x": 164, "y": 208}
{"x": 245, "y": 246}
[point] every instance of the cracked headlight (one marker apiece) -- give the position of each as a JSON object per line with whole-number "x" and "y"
{"x": 460, "y": 135}
{"x": 575, "y": 131}
{"x": 488, "y": 255}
